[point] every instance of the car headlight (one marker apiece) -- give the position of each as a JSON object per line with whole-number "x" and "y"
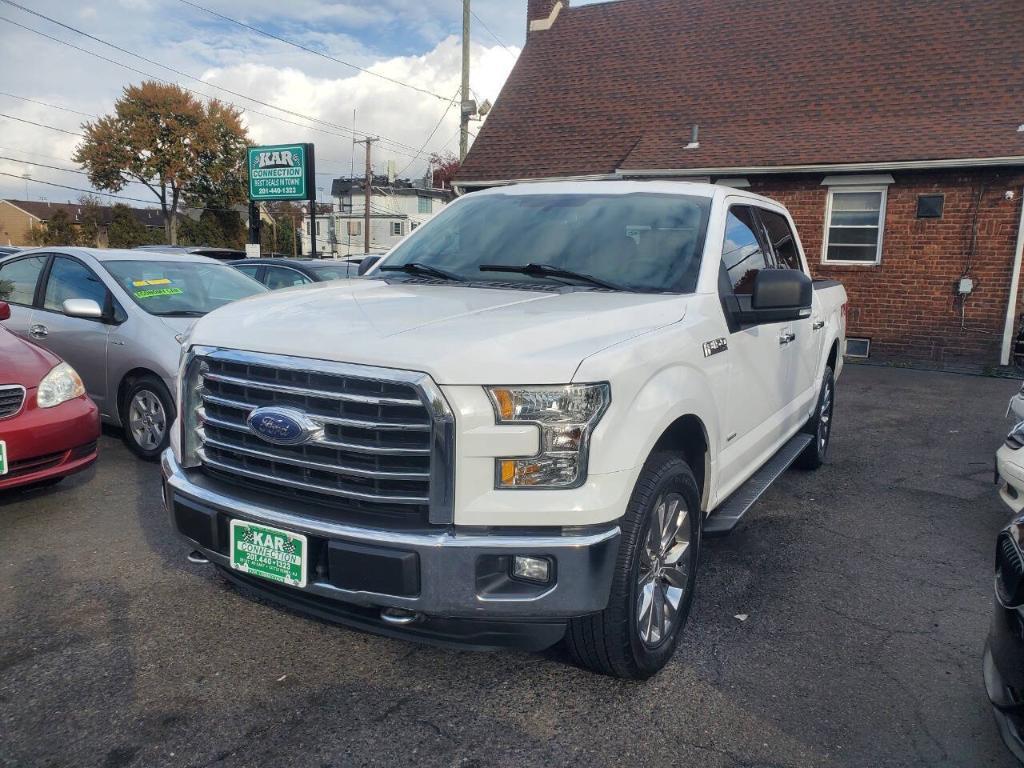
{"x": 1015, "y": 439}
{"x": 566, "y": 415}
{"x": 61, "y": 384}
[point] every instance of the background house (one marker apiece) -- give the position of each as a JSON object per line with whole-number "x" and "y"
{"x": 893, "y": 131}
{"x": 396, "y": 209}
{"x": 19, "y": 217}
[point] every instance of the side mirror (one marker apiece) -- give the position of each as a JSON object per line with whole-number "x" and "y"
{"x": 367, "y": 264}
{"x": 780, "y": 295}
{"x": 5, "y": 310}
{"x": 85, "y": 308}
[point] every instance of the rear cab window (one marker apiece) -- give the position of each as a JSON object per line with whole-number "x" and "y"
{"x": 782, "y": 240}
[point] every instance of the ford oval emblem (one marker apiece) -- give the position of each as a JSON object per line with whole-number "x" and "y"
{"x": 282, "y": 426}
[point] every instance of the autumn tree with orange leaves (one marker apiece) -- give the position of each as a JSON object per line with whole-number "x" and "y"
{"x": 184, "y": 151}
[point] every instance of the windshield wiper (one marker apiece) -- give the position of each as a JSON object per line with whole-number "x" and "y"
{"x": 181, "y": 313}
{"x": 419, "y": 268}
{"x": 547, "y": 270}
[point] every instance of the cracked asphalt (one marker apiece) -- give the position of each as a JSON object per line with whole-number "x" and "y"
{"x": 867, "y": 590}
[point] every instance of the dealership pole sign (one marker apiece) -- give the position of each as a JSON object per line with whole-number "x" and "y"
{"x": 284, "y": 172}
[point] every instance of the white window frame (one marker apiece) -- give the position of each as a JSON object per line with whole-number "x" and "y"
{"x": 884, "y": 189}
{"x": 397, "y": 225}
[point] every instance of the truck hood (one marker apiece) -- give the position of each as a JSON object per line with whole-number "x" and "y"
{"x": 457, "y": 334}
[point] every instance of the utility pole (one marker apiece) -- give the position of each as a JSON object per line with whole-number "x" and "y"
{"x": 367, "y": 191}
{"x": 467, "y": 106}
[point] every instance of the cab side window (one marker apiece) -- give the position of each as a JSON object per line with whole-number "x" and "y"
{"x": 742, "y": 253}
{"x": 70, "y": 279}
{"x": 18, "y": 279}
{"x": 782, "y": 240}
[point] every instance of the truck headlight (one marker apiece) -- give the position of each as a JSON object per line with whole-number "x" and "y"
{"x": 566, "y": 415}
{"x": 190, "y": 401}
{"x": 61, "y": 384}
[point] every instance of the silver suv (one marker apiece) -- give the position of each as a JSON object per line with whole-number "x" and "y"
{"x": 118, "y": 318}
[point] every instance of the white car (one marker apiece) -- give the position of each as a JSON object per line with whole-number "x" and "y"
{"x": 519, "y": 425}
{"x": 1010, "y": 457}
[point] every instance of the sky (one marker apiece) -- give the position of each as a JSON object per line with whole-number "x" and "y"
{"x": 414, "y": 42}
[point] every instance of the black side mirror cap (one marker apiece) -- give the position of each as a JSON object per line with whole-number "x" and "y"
{"x": 367, "y": 264}
{"x": 781, "y": 289}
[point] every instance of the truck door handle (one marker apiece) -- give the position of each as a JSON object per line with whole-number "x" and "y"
{"x": 818, "y": 325}
{"x": 786, "y": 337}
{"x": 38, "y": 331}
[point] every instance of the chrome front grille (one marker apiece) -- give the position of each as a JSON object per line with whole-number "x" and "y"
{"x": 12, "y": 397}
{"x": 381, "y": 450}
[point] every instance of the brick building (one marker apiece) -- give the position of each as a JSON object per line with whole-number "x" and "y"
{"x": 19, "y": 217}
{"x": 894, "y": 132}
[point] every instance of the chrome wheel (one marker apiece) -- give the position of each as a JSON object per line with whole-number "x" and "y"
{"x": 664, "y": 569}
{"x": 825, "y": 416}
{"x": 147, "y": 420}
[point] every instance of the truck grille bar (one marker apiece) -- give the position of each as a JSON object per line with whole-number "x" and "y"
{"x": 383, "y": 443}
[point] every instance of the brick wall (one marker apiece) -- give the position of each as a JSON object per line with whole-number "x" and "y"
{"x": 906, "y": 305}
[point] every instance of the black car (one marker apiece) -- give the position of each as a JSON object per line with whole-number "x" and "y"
{"x": 220, "y": 254}
{"x": 283, "y": 273}
{"x": 1004, "y": 651}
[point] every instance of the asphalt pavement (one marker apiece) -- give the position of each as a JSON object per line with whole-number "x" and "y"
{"x": 842, "y": 624}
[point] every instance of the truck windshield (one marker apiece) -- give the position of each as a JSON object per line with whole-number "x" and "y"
{"x": 181, "y": 288}
{"x": 640, "y": 242}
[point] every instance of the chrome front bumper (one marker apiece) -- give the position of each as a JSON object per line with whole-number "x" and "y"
{"x": 456, "y": 568}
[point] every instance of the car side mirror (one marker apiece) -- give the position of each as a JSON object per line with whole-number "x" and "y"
{"x": 780, "y": 295}
{"x": 5, "y": 310}
{"x": 367, "y": 264}
{"x": 84, "y": 308}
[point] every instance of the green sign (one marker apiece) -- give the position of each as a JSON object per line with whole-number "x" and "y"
{"x": 269, "y": 553}
{"x": 279, "y": 172}
{"x": 3, "y": 458}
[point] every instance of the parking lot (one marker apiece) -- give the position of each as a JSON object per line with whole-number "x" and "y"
{"x": 866, "y": 590}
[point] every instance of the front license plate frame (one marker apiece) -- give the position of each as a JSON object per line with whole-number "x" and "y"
{"x": 269, "y": 553}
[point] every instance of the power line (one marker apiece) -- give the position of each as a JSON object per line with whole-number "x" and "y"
{"x": 443, "y": 116}
{"x": 347, "y": 131}
{"x": 309, "y": 50}
{"x": 44, "y": 104}
{"x": 488, "y": 29}
{"x": 115, "y": 197}
{"x": 41, "y": 125}
{"x": 44, "y": 165}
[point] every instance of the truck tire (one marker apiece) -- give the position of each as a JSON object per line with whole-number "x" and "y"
{"x": 147, "y": 413}
{"x": 820, "y": 424}
{"x": 655, "y": 573}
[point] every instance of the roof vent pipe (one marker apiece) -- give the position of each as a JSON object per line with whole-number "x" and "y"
{"x": 694, "y": 134}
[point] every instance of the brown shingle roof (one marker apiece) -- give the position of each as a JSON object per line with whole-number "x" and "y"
{"x": 789, "y": 83}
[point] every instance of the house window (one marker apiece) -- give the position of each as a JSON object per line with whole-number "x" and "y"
{"x": 396, "y": 228}
{"x": 413, "y": 225}
{"x": 854, "y": 221}
{"x": 423, "y": 204}
{"x": 318, "y": 229}
{"x": 355, "y": 228}
{"x": 930, "y": 206}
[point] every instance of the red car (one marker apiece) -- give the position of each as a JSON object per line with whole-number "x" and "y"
{"x": 48, "y": 425}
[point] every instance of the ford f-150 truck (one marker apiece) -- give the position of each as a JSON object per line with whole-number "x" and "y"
{"x": 520, "y": 425}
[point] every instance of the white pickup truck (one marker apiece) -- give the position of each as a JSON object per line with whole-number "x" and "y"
{"x": 520, "y": 425}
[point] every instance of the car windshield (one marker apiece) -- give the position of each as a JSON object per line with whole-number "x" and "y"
{"x": 637, "y": 242}
{"x": 333, "y": 271}
{"x": 181, "y": 288}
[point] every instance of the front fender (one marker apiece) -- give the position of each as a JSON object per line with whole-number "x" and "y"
{"x": 650, "y": 391}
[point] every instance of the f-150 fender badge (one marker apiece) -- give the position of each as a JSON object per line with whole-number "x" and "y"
{"x": 715, "y": 346}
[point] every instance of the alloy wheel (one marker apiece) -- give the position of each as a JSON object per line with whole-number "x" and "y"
{"x": 825, "y": 417}
{"x": 664, "y": 569}
{"x": 147, "y": 419}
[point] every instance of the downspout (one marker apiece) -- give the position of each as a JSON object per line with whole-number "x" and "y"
{"x": 1011, "y": 304}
